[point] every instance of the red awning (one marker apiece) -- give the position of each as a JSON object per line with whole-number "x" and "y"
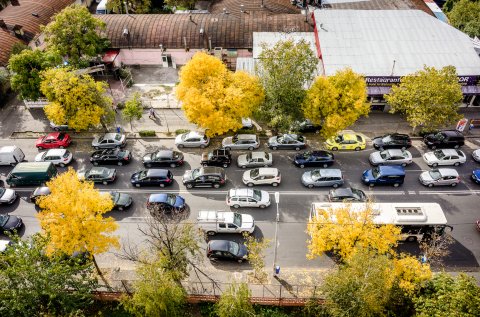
{"x": 110, "y": 56}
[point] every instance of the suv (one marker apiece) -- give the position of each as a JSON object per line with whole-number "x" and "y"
{"x": 392, "y": 141}
{"x": 218, "y": 157}
{"x": 314, "y": 158}
{"x": 241, "y": 142}
{"x": 384, "y": 175}
{"x": 262, "y": 176}
{"x": 246, "y": 197}
{"x": 152, "y": 177}
{"x": 205, "y": 177}
{"x": 444, "y": 139}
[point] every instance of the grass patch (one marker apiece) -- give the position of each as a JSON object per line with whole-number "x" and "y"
{"x": 144, "y": 133}
{"x": 181, "y": 131}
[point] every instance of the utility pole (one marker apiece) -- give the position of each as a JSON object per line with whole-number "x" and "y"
{"x": 276, "y": 268}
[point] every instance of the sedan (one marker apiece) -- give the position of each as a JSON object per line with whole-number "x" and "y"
{"x": 346, "y": 195}
{"x": 287, "y": 142}
{"x": 226, "y": 250}
{"x": 241, "y": 142}
{"x": 440, "y": 177}
{"x": 9, "y": 223}
{"x": 314, "y": 159}
{"x": 322, "y": 178}
{"x": 60, "y": 157}
{"x": 192, "y": 139}
{"x": 255, "y": 159}
{"x": 444, "y": 157}
{"x": 476, "y": 176}
{"x": 476, "y": 155}
{"x": 346, "y": 141}
{"x": 7, "y": 195}
{"x": 53, "y": 140}
{"x": 159, "y": 204}
{"x": 121, "y": 201}
{"x": 391, "y": 157}
{"x": 109, "y": 141}
{"x": 111, "y": 156}
{"x": 392, "y": 141}
{"x": 98, "y": 175}
{"x": 163, "y": 158}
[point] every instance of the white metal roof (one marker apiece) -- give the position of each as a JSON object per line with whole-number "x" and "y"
{"x": 391, "y": 42}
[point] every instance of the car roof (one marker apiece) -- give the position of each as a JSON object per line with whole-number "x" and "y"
{"x": 392, "y": 170}
{"x": 321, "y": 153}
{"x": 56, "y": 152}
{"x": 394, "y": 152}
{"x": 44, "y": 190}
{"x": 221, "y": 152}
{"x": 165, "y": 153}
{"x": 245, "y": 192}
{"x": 212, "y": 170}
{"x": 53, "y": 135}
{"x": 268, "y": 171}
{"x": 157, "y": 172}
{"x": 450, "y": 151}
{"x": 98, "y": 170}
{"x": 158, "y": 198}
{"x": 258, "y": 154}
{"x": 448, "y": 172}
{"x": 110, "y": 135}
{"x": 349, "y": 136}
{"x": 476, "y": 172}
{"x": 342, "y": 192}
{"x": 451, "y": 132}
{"x": 291, "y": 136}
{"x": 219, "y": 245}
{"x": 246, "y": 136}
{"x": 332, "y": 172}
{"x": 193, "y": 134}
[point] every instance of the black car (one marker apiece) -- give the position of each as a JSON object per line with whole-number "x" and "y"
{"x": 39, "y": 192}
{"x": 99, "y": 175}
{"x": 111, "y": 156}
{"x": 163, "y": 158}
{"x": 8, "y": 223}
{"x": 152, "y": 177}
{"x": 392, "y": 141}
{"x": 346, "y": 194}
{"x": 121, "y": 201}
{"x": 226, "y": 250}
{"x": 218, "y": 157}
{"x": 451, "y": 139}
{"x": 205, "y": 177}
{"x": 308, "y": 126}
{"x": 314, "y": 159}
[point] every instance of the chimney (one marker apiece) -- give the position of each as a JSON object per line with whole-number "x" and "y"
{"x": 35, "y": 14}
{"x": 3, "y": 25}
{"x": 18, "y": 30}
{"x": 14, "y": 2}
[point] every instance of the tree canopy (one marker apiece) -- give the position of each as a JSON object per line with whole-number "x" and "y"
{"x": 133, "y": 109}
{"x": 134, "y": 6}
{"x": 213, "y": 97}
{"x": 235, "y": 300}
{"x": 337, "y": 101}
{"x": 77, "y": 100}
{"x": 465, "y": 16}
{"x": 428, "y": 98}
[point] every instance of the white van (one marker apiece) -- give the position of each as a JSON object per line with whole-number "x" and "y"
{"x": 102, "y": 7}
{"x": 11, "y": 155}
{"x": 213, "y": 222}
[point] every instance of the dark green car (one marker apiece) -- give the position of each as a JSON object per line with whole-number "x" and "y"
{"x": 122, "y": 201}
{"x": 98, "y": 175}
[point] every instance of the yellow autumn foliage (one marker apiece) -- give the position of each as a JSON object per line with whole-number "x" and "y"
{"x": 72, "y": 216}
{"x": 410, "y": 273}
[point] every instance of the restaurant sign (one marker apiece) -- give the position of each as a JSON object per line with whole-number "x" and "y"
{"x": 388, "y": 81}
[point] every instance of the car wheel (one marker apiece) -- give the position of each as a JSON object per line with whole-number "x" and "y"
{"x": 275, "y": 184}
{"x": 403, "y": 148}
{"x": 310, "y": 185}
{"x": 430, "y": 185}
{"x": 96, "y": 148}
{"x": 404, "y": 164}
{"x": 454, "y": 184}
{"x": 202, "y": 146}
{"x": 225, "y": 165}
{"x": 216, "y": 185}
{"x": 95, "y": 163}
{"x": 250, "y": 148}
{"x": 335, "y": 185}
{"x": 334, "y": 148}
{"x": 211, "y": 233}
{"x": 357, "y": 148}
{"x": 456, "y": 146}
{"x": 189, "y": 186}
{"x": 180, "y": 146}
{"x": 297, "y": 148}
{"x": 250, "y": 184}
{"x": 434, "y": 164}
{"x": 262, "y": 206}
{"x": 456, "y": 164}
{"x": 371, "y": 185}
{"x": 204, "y": 164}
{"x": 243, "y": 166}
{"x": 120, "y": 208}
{"x": 162, "y": 185}
{"x": 411, "y": 239}
{"x": 433, "y": 147}
{"x": 173, "y": 165}
{"x": 40, "y": 147}
{"x": 236, "y": 206}
{"x": 137, "y": 185}
{"x": 396, "y": 185}
{"x": 302, "y": 166}
{"x": 119, "y": 163}
{"x": 325, "y": 165}
{"x": 274, "y": 148}
{"x": 148, "y": 165}
{"x": 228, "y": 148}
{"x": 105, "y": 183}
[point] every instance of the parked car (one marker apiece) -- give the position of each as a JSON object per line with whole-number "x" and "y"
{"x": 247, "y": 123}
{"x": 59, "y": 127}
{"x": 255, "y": 159}
{"x": 476, "y": 176}
{"x": 262, "y": 176}
{"x": 109, "y": 141}
{"x": 192, "y": 139}
{"x": 241, "y": 142}
{"x": 53, "y": 140}
{"x": 39, "y": 192}
{"x": 60, "y": 157}
{"x": 323, "y": 177}
{"x": 111, "y": 156}
{"x": 218, "y": 157}
{"x": 226, "y": 250}
{"x": 163, "y": 158}
{"x": 9, "y": 223}
{"x": 346, "y": 141}
{"x": 384, "y": 175}
{"x": 98, "y": 175}
{"x": 287, "y": 142}
{"x": 314, "y": 159}
{"x": 347, "y": 195}
{"x": 391, "y": 157}
{"x": 213, "y": 222}
{"x": 7, "y": 196}
{"x": 159, "y": 204}
{"x": 121, "y": 201}
{"x": 247, "y": 197}
{"x": 477, "y": 224}
{"x": 307, "y": 126}
{"x": 152, "y": 177}
{"x": 205, "y": 177}
{"x": 392, "y": 141}
{"x": 11, "y": 155}
{"x": 444, "y": 139}
{"x": 440, "y": 177}
{"x": 444, "y": 157}
{"x": 476, "y": 155}
{"x": 31, "y": 173}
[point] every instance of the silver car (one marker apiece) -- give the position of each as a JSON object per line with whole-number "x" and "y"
{"x": 241, "y": 142}
{"x": 444, "y": 157}
{"x": 109, "y": 141}
{"x": 440, "y": 177}
{"x": 323, "y": 177}
{"x": 391, "y": 157}
{"x": 255, "y": 159}
{"x": 192, "y": 139}
{"x": 7, "y": 196}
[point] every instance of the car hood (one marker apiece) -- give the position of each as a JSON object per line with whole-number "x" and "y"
{"x": 81, "y": 174}
{"x": 272, "y": 140}
{"x": 377, "y": 141}
{"x": 476, "y": 173}
{"x": 123, "y": 199}
{"x": 247, "y": 221}
{"x": 242, "y": 159}
{"x": 375, "y": 157}
{"x": 430, "y": 137}
{"x": 430, "y": 157}
{"x": 179, "y": 202}
{"x": 12, "y": 222}
{"x": 307, "y": 177}
{"x": 135, "y": 176}
{"x": 39, "y": 140}
{"x": 476, "y": 153}
{"x": 7, "y": 195}
{"x": 367, "y": 174}
{"x": 187, "y": 176}
{"x": 425, "y": 176}
{"x": 228, "y": 140}
{"x": 148, "y": 157}
{"x": 39, "y": 156}
{"x": 178, "y": 139}
{"x": 246, "y": 176}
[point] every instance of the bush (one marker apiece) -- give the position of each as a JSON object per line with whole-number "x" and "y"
{"x": 180, "y": 131}
{"x": 144, "y": 133}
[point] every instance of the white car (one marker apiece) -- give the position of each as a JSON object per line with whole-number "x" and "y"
{"x": 440, "y": 177}
{"x": 444, "y": 157}
{"x": 391, "y": 157}
{"x": 7, "y": 196}
{"x": 60, "y": 157}
{"x": 247, "y": 197}
{"x": 476, "y": 155}
{"x": 192, "y": 139}
{"x": 255, "y": 159}
{"x": 262, "y": 176}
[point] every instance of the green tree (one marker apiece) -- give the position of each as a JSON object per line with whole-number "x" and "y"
{"x": 285, "y": 70}
{"x": 428, "y": 98}
{"x": 19, "y": 47}
{"x": 133, "y": 109}
{"x": 187, "y": 4}
{"x": 465, "y": 16}
{"x": 75, "y": 34}
{"x": 445, "y": 295}
{"x": 235, "y": 300}
{"x": 134, "y": 6}
{"x": 337, "y": 101}
{"x": 4, "y": 83}
{"x": 34, "y": 284}
{"x": 26, "y": 68}
{"x": 256, "y": 255}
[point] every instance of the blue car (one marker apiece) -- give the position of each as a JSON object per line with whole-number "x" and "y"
{"x": 476, "y": 176}
{"x": 384, "y": 175}
{"x": 159, "y": 204}
{"x": 314, "y": 159}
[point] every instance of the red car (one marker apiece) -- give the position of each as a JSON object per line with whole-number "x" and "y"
{"x": 53, "y": 140}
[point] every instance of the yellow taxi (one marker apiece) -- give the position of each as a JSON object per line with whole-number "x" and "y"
{"x": 346, "y": 141}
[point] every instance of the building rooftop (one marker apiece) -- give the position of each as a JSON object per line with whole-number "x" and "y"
{"x": 377, "y": 5}
{"x": 254, "y": 7}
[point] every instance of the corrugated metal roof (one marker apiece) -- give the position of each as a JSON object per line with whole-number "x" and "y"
{"x": 374, "y": 43}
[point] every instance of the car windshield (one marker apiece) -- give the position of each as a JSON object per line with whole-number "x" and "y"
{"x": 339, "y": 138}
{"x": 61, "y": 136}
{"x": 375, "y": 172}
{"x": 387, "y": 139}
{"x": 142, "y": 174}
{"x": 2, "y": 191}
{"x": 176, "y": 155}
{"x": 184, "y": 136}
{"x": 66, "y": 154}
{"x": 385, "y": 155}
{"x": 435, "y": 174}
{"x": 439, "y": 154}
{"x": 254, "y": 173}
{"x": 3, "y": 220}
{"x": 358, "y": 194}
{"x": 233, "y": 247}
{"x": 249, "y": 157}
{"x": 280, "y": 139}
{"x": 257, "y": 194}
{"x": 196, "y": 173}
{"x": 101, "y": 139}
{"x": 171, "y": 199}
{"x": 114, "y": 195}
{"x": 316, "y": 174}
{"x": 237, "y": 219}
{"x": 118, "y": 137}
{"x": 439, "y": 136}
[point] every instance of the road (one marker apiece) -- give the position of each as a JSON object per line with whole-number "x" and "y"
{"x": 461, "y": 204}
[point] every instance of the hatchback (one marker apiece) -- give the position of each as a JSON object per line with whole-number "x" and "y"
{"x": 392, "y": 141}
{"x": 262, "y": 176}
{"x": 60, "y": 157}
{"x": 391, "y": 157}
{"x": 218, "y": 157}
{"x": 192, "y": 139}
{"x": 205, "y": 177}
{"x": 314, "y": 159}
{"x": 159, "y": 204}
{"x": 111, "y": 156}
{"x": 109, "y": 141}
{"x": 346, "y": 141}
{"x": 226, "y": 250}
{"x": 152, "y": 177}
{"x": 246, "y": 197}
{"x": 98, "y": 175}
{"x": 287, "y": 142}
{"x": 163, "y": 158}
{"x": 347, "y": 195}
{"x": 440, "y": 177}
{"x": 476, "y": 155}
{"x": 323, "y": 177}
{"x": 241, "y": 142}
{"x": 255, "y": 159}
{"x": 444, "y": 157}
{"x": 53, "y": 140}
{"x": 7, "y": 195}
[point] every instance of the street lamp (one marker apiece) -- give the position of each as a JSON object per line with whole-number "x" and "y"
{"x": 276, "y": 269}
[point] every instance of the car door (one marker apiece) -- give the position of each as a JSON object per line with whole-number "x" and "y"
{"x": 344, "y": 144}
{"x": 445, "y": 160}
{"x": 321, "y": 181}
{"x": 231, "y": 228}
{"x": 454, "y": 159}
{"x": 192, "y": 142}
{"x": 243, "y": 201}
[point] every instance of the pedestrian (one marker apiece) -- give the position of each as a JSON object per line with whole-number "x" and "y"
{"x": 152, "y": 113}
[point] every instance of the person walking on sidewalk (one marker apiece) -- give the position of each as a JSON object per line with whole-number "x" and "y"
{"x": 152, "y": 114}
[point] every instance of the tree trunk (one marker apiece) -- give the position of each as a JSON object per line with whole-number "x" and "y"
{"x": 99, "y": 272}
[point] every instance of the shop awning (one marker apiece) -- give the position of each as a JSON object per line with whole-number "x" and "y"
{"x": 110, "y": 56}
{"x": 377, "y": 91}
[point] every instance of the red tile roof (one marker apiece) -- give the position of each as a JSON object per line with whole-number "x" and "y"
{"x": 7, "y": 40}
{"x": 254, "y": 7}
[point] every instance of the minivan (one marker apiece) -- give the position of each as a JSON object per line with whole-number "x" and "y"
{"x": 11, "y": 155}
{"x": 384, "y": 175}
{"x": 31, "y": 173}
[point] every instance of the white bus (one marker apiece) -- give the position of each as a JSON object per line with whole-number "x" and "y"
{"x": 102, "y": 7}
{"x": 416, "y": 220}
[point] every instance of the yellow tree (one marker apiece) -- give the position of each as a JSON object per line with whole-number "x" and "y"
{"x": 77, "y": 100}
{"x": 215, "y": 98}
{"x": 73, "y": 217}
{"x": 337, "y": 101}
